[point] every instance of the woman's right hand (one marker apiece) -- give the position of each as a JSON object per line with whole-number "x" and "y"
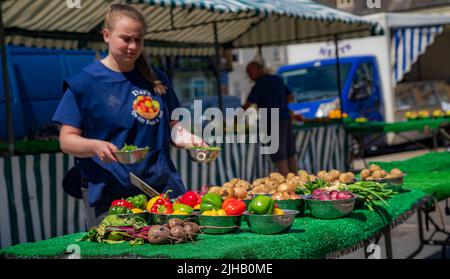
{"x": 104, "y": 150}
{"x": 72, "y": 142}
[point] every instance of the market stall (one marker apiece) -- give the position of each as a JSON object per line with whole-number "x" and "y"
{"x": 182, "y": 28}
{"x": 308, "y": 238}
{"x": 426, "y": 177}
{"x": 34, "y": 206}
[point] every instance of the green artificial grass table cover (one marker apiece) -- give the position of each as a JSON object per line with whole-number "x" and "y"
{"x": 308, "y": 238}
{"x": 429, "y": 173}
{"x": 382, "y": 127}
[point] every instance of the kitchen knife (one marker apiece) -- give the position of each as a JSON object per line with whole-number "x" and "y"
{"x": 144, "y": 187}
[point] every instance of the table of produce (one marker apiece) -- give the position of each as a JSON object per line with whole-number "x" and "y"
{"x": 301, "y": 215}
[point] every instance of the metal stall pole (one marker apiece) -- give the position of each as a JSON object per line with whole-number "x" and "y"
{"x": 9, "y": 122}
{"x": 348, "y": 161}
{"x": 217, "y": 65}
{"x": 338, "y": 72}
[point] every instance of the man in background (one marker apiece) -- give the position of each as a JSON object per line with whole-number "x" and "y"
{"x": 270, "y": 92}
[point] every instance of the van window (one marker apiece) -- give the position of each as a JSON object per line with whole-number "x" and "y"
{"x": 362, "y": 84}
{"x": 443, "y": 90}
{"x": 315, "y": 83}
{"x": 416, "y": 94}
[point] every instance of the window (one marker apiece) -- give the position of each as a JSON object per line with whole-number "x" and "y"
{"x": 276, "y": 55}
{"x": 315, "y": 83}
{"x": 238, "y": 56}
{"x": 416, "y": 95}
{"x": 362, "y": 84}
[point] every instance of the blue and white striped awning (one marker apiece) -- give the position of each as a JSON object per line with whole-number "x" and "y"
{"x": 408, "y": 44}
{"x": 184, "y": 27}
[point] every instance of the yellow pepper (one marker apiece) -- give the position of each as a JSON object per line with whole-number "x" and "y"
{"x": 221, "y": 212}
{"x": 278, "y": 211}
{"x": 213, "y": 212}
{"x": 179, "y": 212}
{"x": 209, "y": 213}
{"x": 152, "y": 202}
{"x": 137, "y": 210}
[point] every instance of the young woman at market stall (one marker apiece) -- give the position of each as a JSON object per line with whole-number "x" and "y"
{"x": 116, "y": 101}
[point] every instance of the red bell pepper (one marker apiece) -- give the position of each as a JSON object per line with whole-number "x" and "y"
{"x": 165, "y": 208}
{"x": 122, "y": 203}
{"x": 234, "y": 206}
{"x": 162, "y": 205}
{"x": 191, "y": 198}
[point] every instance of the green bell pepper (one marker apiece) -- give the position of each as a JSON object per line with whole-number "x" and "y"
{"x": 119, "y": 210}
{"x": 183, "y": 208}
{"x": 261, "y": 205}
{"x": 211, "y": 201}
{"x": 139, "y": 201}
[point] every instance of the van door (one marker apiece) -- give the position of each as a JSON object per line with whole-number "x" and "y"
{"x": 364, "y": 96}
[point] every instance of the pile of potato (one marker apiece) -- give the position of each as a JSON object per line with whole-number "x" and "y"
{"x": 235, "y": 188}
{"x": 335, "y": 176}
{"x": 280, "y": 187}
{"x": 375, "y": 172}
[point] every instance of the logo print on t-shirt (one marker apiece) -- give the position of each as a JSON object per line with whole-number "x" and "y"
{"x": 113, "y": 102}
{"x": 146, "y": 107}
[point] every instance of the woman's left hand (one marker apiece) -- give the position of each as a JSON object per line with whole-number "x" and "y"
{"x": 182, "y": 138}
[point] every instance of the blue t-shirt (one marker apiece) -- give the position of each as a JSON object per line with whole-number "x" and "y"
{"x": 270, "y": 92}
{"x": 113, "y": 106}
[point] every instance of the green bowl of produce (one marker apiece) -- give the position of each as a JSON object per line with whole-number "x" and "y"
{"x": 160, "y": 219}
{"x": 219, "y": 224}
{"x": 131, "y": 154}
{"x": 271, "y": 224}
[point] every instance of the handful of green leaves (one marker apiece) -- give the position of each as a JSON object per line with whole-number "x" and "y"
{"x": 370, "y": 192}
{"x": 130, "y": 148}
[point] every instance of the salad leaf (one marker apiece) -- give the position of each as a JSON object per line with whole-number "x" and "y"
{"x": 130, "y": 148}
